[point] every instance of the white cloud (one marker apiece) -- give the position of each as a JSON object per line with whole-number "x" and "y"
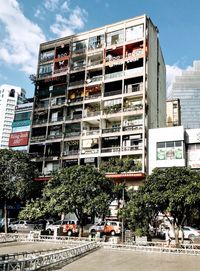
{"x": 172, "y": 72}
{"x": 21, "y": 45}
{"x": 65, "y": 6}
{"x": 65, "y": 26}
{"x": 51, "y": 5}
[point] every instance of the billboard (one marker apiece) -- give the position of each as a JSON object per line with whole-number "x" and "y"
{"x": 169, "y": 153}
{"x": 18, "y": 139}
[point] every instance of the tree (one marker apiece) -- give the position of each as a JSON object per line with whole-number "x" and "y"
{"x": 172, "y": 190}
{"x": 16, "y": 178}
{"x": 78, "y": 189}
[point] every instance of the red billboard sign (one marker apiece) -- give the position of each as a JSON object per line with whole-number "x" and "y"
{"x": 18, "y": 139}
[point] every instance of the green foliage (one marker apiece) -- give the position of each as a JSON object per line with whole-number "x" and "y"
{"x": 175, "y": 190}
{"x": 16, "y": 176}
{"x": 118, "y": 165}
{"x": 79, "y": 189}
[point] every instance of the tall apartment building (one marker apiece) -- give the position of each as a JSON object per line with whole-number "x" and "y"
{"x": 187, "y": 88}
{"x": 19, "y": 137}
{"x": 97, "y": 94}
{"x": 10, "y": 96}
{"x": 173, "y": 112}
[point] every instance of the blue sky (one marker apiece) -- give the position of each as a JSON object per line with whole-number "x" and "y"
{"x": 25, "y": 24}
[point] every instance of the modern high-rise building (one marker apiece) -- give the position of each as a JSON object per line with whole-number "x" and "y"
{"x": 97, "y": 94}
{"x": 19, "y": 137}
{"x": 173, "y": 112}
{"x": 10, "y": 96}
{"x": 186, "y": 88}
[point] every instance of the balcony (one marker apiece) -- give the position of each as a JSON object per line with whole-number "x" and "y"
{"x": 111, "y": 130}
{"x": 133, "y": 108}
{"x": 90, "y": 151}
{"x": 70, "y": 153}
{"x": 132, "y": 148}
{"x": 112, "y": 93}
{"x": 91, "y": 114}
{"x": 111, "y": 149}
{"x": 61, "y": 70}
{"x": 131, "y": 88}
{"x": 39, "y": 121}
{"x": 116, "y": 108}
{"x": 131, "y": 128}
{"x": 56, "y": 119}
{"x": 38, "y": 138}
{"x": 94, "y": 63}
{"x": 113, "y": 75}
{"x": 93, "y": 96}
{"x": 76, "y": 83}
{"x": 94, "y": 79}
{"x": 72, "y": 134}
{"x": 90, "y": 132}
{"x": 55, "y": 136}
{"x": 134, "y": 72}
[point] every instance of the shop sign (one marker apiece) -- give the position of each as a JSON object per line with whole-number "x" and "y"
{"x": 21, "y": 123}
{"x": 18, "y": 139}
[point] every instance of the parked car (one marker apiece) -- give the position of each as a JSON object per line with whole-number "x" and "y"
{"x": 25, "y": 226}
{"x": 188, "y": 233}
{"x": 106, "y": 227}
{"x": 55, "y": 225}
{"x": 70, "y": 227}
{"x": 2, "y": 223}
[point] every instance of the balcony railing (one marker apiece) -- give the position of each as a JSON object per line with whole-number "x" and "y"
{"x": 39, "y": 121}
{"x": 75, "y": 100}
{"x": 132, "y": 148}
{"x": 89, "y": 151}
{"x": 91, "y": 114}
{"x": 38, "y": 138}
{"x": 112, "y": 93}
{"x": 57, "y": 119}
{"x": 131, "y": 128}
{"x": 90, "y": 132}
{"x": 93, "y": 96}
{"x": 111, "y": 149}
{"x": 94, "y": 79}
{"x": 133, "y": 88}
{"x": 134, "y": 71}
{"x": 64, "y": 69}
{"x": 133, "y": 107}
{"x": 76, "y": 83}
{"x": 71, "y": 152}
{"x": 94, "y": 63}
{"x": 59, "y": 135}
{"x": 71, "y": 134}
{"x": 113, "y": 75}
{"x": 111, "y": 130}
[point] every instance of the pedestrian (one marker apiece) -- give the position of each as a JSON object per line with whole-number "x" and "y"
{"x": 167, "y": 237}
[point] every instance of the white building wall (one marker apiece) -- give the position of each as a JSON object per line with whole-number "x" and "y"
{"x": 165, "y": 135}
{"x": 7, "y": 111}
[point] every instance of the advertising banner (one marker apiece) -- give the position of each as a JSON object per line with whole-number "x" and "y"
{"x": 18, "y": 139}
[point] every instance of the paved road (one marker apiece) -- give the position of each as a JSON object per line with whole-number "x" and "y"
{"x": 108, "y": 260}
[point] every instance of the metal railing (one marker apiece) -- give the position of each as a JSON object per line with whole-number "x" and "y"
{"x": 157, "y": 247}
{"x": 34, "y": 261}
{"x": 111, "y": 130}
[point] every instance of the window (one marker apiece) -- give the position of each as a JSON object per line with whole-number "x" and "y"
{"x": 169, "y": 150}
{"x": 95, "y": 42}
{"x": 115, "y": 37}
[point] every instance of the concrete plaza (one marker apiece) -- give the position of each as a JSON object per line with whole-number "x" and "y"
{"x": 115, "y": 260}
